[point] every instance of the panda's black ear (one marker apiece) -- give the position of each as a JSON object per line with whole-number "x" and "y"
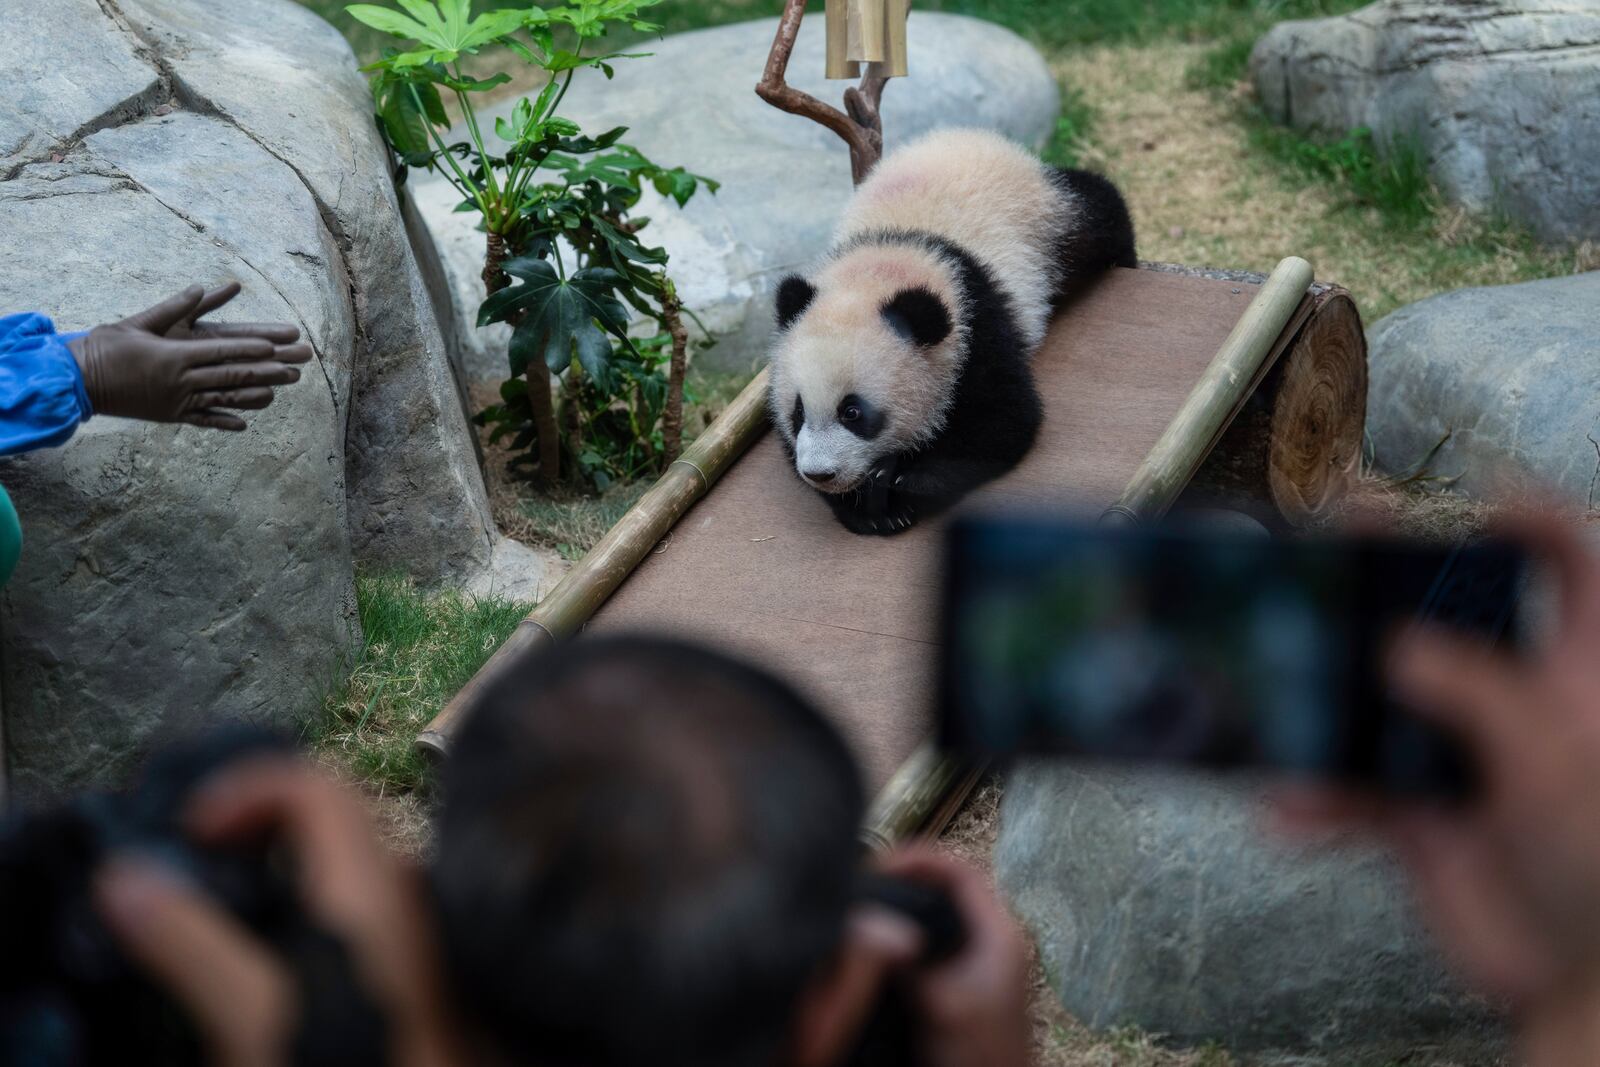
{"x": 794, "y": 296}
{"x": 919, "y": 316}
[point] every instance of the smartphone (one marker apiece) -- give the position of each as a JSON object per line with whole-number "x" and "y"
{"x": 1208, "y": 648}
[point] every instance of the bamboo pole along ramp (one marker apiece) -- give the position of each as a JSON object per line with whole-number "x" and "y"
{"x": 1142, "y": 378}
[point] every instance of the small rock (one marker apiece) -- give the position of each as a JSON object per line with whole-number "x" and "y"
{"x": 1175, "y": 232}
{"x": 166, "y": 109}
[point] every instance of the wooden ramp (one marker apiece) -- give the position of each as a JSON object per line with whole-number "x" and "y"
{"x": 760, "y": 566}
{"x": 1140, "y": 378}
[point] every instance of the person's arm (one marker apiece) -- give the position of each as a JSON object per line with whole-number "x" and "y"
{"x": 42, "y": 397}
{"x": 161, "y": 365}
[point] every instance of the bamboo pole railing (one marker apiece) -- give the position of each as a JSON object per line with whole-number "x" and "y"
{"x": 929, "y": 786}
{"x": 606, "y": 566}
{"x": 1235, "y": 370}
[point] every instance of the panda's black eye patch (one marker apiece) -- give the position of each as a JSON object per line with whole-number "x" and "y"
{"x": 860, "y": 417}
{"x": 797, "y": 417}
{"x": 919, "y": 316}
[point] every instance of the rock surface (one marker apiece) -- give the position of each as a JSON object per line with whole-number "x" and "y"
{"x": 173, "y": 575}
{"x": 1157, "y": 902}
{"x": 785, "y": 179}
{"x": 1507, "y": 378}
{"x": 1504, "y": 97}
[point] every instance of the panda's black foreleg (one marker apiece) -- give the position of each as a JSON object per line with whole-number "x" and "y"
{"x": 873, "y": 508}
{"x": 905, "y": 488}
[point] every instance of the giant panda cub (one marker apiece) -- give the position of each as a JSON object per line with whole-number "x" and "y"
{"x": 900, "y": 371}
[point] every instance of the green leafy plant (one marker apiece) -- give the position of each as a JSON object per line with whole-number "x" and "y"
{"x": 562, "y": 260}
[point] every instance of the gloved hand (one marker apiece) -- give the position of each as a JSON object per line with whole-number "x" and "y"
{"x": 162, "y": 365}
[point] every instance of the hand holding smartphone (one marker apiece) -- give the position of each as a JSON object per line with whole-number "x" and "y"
{"x": 1208, "y": 648}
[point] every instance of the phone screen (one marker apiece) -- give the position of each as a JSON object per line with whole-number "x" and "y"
{"x": 1210, "y": 649}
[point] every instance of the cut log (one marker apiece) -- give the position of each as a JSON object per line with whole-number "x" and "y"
{"x": 1295, "y": 449}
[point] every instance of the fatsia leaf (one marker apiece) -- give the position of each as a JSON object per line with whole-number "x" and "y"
{"x": 559, "y": 316}
{"x": 403, "y": 121}
{"x": 622, "y": 244}
{"x": 392, "y": 22}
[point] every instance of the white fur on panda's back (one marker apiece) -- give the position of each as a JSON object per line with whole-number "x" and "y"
{"x": 982, "y": 192}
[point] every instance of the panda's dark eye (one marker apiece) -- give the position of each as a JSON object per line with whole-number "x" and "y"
{"x": 860, "y": 417}
{"x": 797, "y": 418}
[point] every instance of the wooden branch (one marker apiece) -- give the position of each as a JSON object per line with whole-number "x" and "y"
{"x": 861, "y": 128}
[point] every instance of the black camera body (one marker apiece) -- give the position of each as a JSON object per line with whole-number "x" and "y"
{"x": 68, "y": 995}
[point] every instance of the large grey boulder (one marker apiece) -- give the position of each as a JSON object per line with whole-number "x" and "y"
{"x": 1158, "y": 902}
{"x": 1502, "y": 95}
{"x": 785, "y": 179}
{"x": 1505, "y": 377}
{"x": 173, "y": 575}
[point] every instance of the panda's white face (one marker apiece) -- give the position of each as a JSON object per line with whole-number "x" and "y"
{"x": 864, "y": 364}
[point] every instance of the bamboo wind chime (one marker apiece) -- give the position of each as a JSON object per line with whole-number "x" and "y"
{"x": 870, "y": 33}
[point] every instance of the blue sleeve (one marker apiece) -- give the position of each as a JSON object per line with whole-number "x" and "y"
{"x": 42, "y": 398}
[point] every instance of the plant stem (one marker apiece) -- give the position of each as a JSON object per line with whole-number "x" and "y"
{"x": 465, "y": 185}
{"x": 672, "y": 416}
{"x": 541, "y": 397}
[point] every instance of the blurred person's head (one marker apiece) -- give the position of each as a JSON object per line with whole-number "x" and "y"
{"x": 646, "y": 855}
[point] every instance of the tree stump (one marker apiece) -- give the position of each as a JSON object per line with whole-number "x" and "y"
{"x": 1295, "y": 448}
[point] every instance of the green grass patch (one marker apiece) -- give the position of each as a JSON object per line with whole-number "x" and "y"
{"x": 1074, "y": 129}
{"x": 421, "y": 648}
{"x": 1392, "y": 178}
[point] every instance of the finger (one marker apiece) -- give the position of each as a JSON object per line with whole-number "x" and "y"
{"x": 300, "y": 353}
{"x": 328, "y": 830}
{"x": 237, "y": 994}
{"x": 251, "y": 399}
{"x": 279, "y": 333}
{"x": 1469, "y": 903}
{"x": 1553, "y": 536}
{"x": 213, "y": 377}
{"x": 167, "y": 314}
{"x": 215, "y": 298}
{"x": 876, "y": 944}
{"x": 1318, "y": 812}
{"x": 991, "y": 931}
{"x": 216, "y": 420}
{"x": 1462, "y": 685}
{"x": 201, "y": 351}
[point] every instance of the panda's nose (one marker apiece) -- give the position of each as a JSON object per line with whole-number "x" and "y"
{"x": 819, "y": 477}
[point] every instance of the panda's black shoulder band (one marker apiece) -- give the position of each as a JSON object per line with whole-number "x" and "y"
{"x": 794, "y": 296}
{"x": 918, "y": 315}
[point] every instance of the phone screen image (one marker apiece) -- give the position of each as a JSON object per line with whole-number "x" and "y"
{"x": 1206, "y": 649}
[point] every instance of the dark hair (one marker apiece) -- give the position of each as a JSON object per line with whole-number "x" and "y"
{"x": 646, "y": 850}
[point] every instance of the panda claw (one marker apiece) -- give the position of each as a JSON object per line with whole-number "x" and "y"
{"x": 899, "y": 479}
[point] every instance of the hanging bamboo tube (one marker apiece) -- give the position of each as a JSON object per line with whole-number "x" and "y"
{"x": 867, "y": 31}
{"x": 836, "y": 18}
{"x": 896, "y": 62}
{"x": 606, "y": 566}
{"x": 1216, "y": 398}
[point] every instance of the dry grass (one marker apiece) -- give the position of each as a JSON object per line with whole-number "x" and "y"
{"x": 1202, "y": 193}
